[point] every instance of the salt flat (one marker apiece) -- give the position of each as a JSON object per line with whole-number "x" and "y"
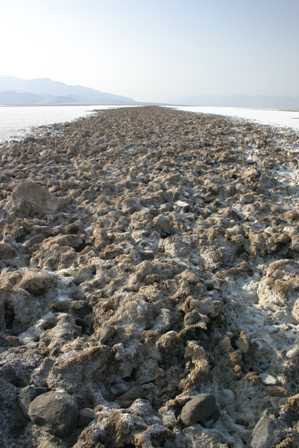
{"x": 16, "y": 121}
{"x": 277, "y": 118}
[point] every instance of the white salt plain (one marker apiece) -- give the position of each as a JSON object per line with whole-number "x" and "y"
{"x": 276, "y": 118}
{"x": 16, "y": 122}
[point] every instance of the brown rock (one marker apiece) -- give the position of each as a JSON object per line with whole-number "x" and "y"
{"x": 37, "y": 283}
{"x": 31, "y": 198}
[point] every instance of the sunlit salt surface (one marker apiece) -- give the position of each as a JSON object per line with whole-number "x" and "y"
{"x": 16, "y": 122}
{"x": 277, "y": 118}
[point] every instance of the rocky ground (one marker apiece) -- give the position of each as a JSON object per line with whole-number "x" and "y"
{"x": 149, "y": 286}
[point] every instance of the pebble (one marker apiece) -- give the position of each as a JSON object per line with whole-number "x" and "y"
{"x": 268, "y": 380}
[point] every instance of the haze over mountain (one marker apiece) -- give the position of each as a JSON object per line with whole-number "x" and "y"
{"x": 16, "y": 91}
{"x": 44, "y": 91}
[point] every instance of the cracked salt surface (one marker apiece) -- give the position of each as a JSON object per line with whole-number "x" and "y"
{"x": 262, "y": 324}
{"x": 252, "y": 347}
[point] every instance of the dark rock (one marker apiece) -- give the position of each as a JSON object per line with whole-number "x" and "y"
{"x": 200, "y": 409}
{"x": 131, "y": 205}
{"x": 57, "y": 411}
{"x": 86, "y": 415}
{"x": 12, "y": 418}
{"x": 28, "y": 393}
{"x": 7, "y": 252}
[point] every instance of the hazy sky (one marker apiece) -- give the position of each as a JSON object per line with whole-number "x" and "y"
{"x": 156, "y": 50}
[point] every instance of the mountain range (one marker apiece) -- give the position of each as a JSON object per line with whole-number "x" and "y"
{"x": 44, "y": 91}
{"x": 23, "y": 92}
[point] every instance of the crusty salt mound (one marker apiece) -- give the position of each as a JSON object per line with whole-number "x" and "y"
{"x": 149, "y": 285}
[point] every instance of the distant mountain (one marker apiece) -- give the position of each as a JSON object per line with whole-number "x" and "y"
{"x": 15, "y": 91}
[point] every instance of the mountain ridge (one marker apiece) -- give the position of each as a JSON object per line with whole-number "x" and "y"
{"x": 45, "y": 91}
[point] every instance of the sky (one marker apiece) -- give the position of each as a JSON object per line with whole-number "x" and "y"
{"x": 155, "y": 50}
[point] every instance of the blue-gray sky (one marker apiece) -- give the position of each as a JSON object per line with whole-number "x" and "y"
{"x": 155, "y": 50}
